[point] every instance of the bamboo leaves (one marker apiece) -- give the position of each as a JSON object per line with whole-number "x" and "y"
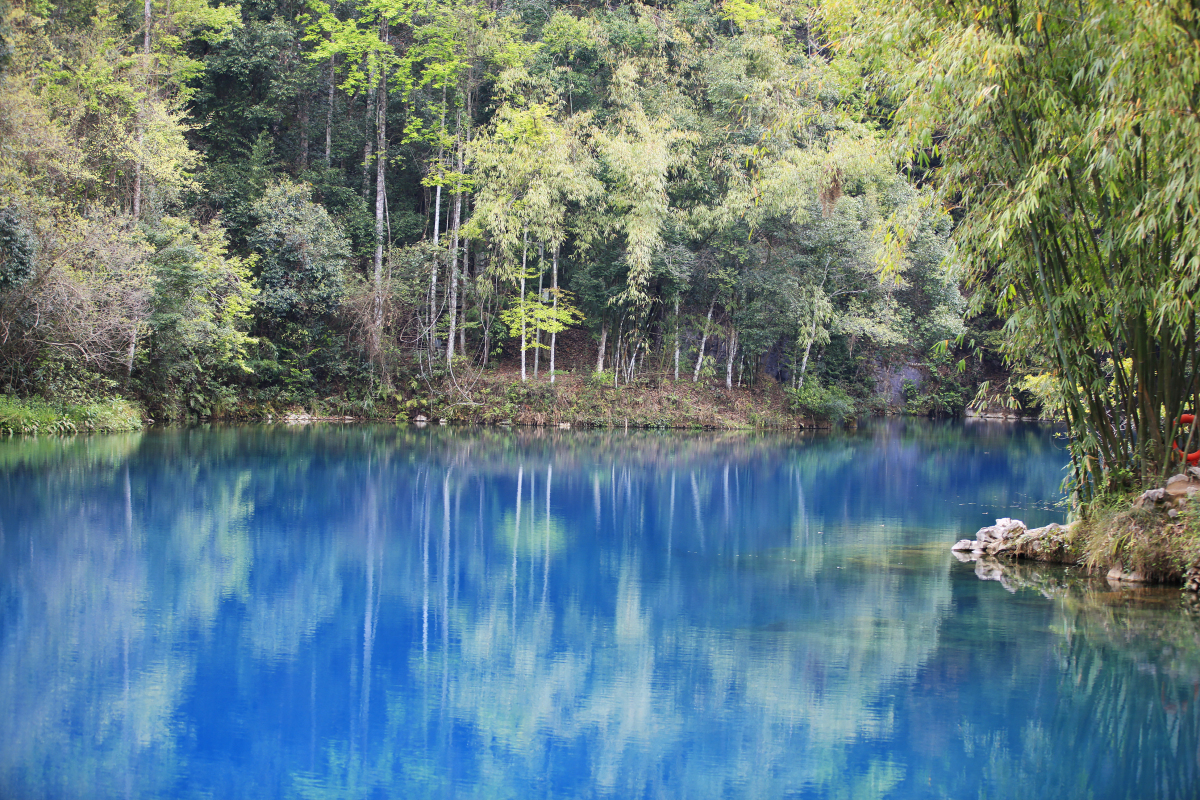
{"x": 1078, "y": 176}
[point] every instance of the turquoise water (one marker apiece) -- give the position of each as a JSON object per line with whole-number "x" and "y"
{"x": 374, "y": 612}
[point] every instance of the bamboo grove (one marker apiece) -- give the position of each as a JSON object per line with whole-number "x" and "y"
{"x": 215, "y": 207}
{"x": 1066, "y": 136}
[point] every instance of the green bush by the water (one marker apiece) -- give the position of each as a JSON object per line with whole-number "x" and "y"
{"x": 832, "y": 403}
{"x": 38, "y": 416}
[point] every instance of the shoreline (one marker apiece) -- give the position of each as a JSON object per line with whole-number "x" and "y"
{"x": 1146, "y": 540}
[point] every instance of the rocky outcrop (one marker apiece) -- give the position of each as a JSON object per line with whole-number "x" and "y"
{"x": 1010, "y": 537}
{"x": 1063, "y": 544}
{"x": 1172, "y": 497}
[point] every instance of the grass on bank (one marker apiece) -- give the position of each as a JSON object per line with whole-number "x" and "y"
{"x": 38, "y": 416}
{"x": 1145, "y": 540}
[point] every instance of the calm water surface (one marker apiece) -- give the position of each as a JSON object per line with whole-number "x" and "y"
{"x": 346, "y": 612}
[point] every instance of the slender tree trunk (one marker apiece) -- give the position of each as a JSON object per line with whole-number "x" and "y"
{"x": 141, "y": 136}
{"x": 553, "y": 334}
{"x": 600, "y": 350}
{"x": 369, "y": 141}
{"x": 812, "y": 335}
{"x": 380, "y": 206}
{"x": 452, "y": 278}
{"x": 677, "y": 332}
{"x": 466, "y": 267}
{"x": 329, "y": 115}
{"x": 616, "y": 356}
{"x": 302, "y": 155}
{"x": 703, "y": 341}
{"x": 433, "y": 270}
{"x": 733, "y": 346}
{"x": 537, "y": 333}
{"x": 437, "y": 226}
{"x": 485, "y": 320}
{"x": 133, "y": 328}
{"x": 524, "y": 254}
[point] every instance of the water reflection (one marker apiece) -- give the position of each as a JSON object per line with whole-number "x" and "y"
{"x": 380, "y": 612}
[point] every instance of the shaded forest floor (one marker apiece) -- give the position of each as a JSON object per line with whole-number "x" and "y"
{"x": 577, "y": 397}
{"x": 581, "y": 397}
{"x": 595, "y": 400}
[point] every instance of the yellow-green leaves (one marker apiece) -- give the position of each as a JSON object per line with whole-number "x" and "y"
{"x": 638, "y": 153}
{"x": 741, "y": 13}
{"x": 532, "y": 171}
{"x": 531, "y": 314}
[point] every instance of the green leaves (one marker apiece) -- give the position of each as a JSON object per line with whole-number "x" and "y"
{"x": 302, "y": 253}
{"x": 1079, "y": 176}
{"x": 202, "y": 302}
{"x": 18, "y": 249}
{"x": 532, "y": 172}
{"x": 638, "y": 154}
{"x": 532, "y": 313}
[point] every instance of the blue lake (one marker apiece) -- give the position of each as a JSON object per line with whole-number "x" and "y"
{"x": 381, "y": 612}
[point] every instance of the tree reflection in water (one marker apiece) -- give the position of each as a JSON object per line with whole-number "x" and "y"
{"x": 375, "y": 612}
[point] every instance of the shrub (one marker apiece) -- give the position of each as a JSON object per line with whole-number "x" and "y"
{"x": 832, "y": 404}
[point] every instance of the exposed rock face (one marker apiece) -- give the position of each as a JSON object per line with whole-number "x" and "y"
{"x": 1011, "y": 537}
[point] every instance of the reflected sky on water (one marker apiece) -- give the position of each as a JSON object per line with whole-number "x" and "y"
{"x": 381, "y": 612}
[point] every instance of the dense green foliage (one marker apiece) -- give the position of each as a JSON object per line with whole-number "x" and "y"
{"x": 254, "y": 207}
{"x": 1067, "y": 135}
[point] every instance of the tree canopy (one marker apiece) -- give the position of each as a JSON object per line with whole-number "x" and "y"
{"x": 1066, "y": 139}
{"x": 391, "y": 185}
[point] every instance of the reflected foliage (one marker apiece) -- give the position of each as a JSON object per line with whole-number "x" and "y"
{"x": 394, "y": 612}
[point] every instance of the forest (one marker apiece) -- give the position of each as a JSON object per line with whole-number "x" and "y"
{"x": 230, "y": 210}
{"x": 383, "y": 207}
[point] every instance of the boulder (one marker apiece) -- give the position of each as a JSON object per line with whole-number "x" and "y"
{"x": 1182, "y": 485}
{"x": 1003, "y": 530}
{"x": 1048, "y": 543}
{"x": 1118, "y": 574}
{"x": 1010, "y": 537}
{"x": 1150, "y": 497}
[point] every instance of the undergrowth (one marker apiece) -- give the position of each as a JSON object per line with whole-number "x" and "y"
{"x": 39, "y": 416}
{"x": 1144, "y": 540}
